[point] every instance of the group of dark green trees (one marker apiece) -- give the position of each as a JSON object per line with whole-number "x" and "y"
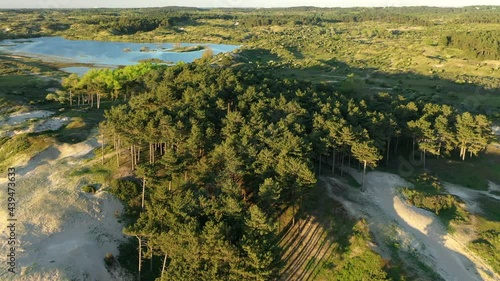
{"x": 480, "y": 44}
{"x": 221, "y": 152}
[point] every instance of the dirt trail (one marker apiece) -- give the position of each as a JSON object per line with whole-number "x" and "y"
{"x": 63, "y": 232}
{"x": 417, "y": 230}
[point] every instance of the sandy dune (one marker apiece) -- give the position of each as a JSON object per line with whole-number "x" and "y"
{"x": 41, "y": 121}
{"x": 63, "y": 232}
{"x": 417, "y": 230}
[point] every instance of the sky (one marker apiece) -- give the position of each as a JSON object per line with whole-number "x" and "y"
{"x": 236, "y": 3}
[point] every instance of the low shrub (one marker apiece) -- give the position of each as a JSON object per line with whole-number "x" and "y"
{"x": 89, "y": 189}
{"x": 109, "y": 260}
{"x": 428, "y": 194}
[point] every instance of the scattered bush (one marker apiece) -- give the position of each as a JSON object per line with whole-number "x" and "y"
{"x": 128, "y": 192}
{"x": 427, "y": 194}
{"x": 89, "y": 189}
{"x": 109, "y": 259}
{"x": 125, "y": 190}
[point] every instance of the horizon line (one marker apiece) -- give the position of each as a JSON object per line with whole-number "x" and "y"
{"x": 228, "y": 7}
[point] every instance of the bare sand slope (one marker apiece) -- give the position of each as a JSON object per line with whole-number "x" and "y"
{"x": 41, "y": 121}
{"x": 63, "y": 232}
{"x": 417, "y": 230}
{"x": 470, "y": 195}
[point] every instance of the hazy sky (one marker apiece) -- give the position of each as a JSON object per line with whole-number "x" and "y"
{"x": 235, "y": 3}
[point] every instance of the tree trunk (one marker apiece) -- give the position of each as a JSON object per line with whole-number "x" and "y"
{"x": 342, "y": 164}
{"x": 132, "y": 156}
{"x": 118, "y": 152}
{"x": 424, "y": 160}
{"x": 163, "y": 267}
{"x": 102, "y": 150}
{"x": 70, "y": 99}
{"x": 169, "y": 185}
{"x": 138, "y": 155}
{"x": 413, "y": 149}
{"x": 78, "y": 97}
{"x": 396, "y": 146}
{"x": 140, "y": 255}
{"x": 387, "y": 156}
{"x": 363, "y": 180}
{"x": 333, "y": 163}
{"x": 143, "y": 191}
{"x": 319, "y": 168}
{"x": 151, "y": 263}
{"x": 98, "y": 101}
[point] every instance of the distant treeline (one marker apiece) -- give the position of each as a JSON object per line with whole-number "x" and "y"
{"x": 483, "y": 44}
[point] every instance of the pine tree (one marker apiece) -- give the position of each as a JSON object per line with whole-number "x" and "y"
{"x": 366, "y": 153}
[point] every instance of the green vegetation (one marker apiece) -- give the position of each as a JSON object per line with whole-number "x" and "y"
{"x": 428, "y": 194}
{"x": 326, "y": 244}
{"x": 474, "y": 173}
{"x": 227, "y": 188}
{"x": 20, "y": 148}
{"x": 89, "y": 189}
{"x": 223, "y": 152}
{"x": 487, "y": 245}
{"x": 183, "y": 49}
{"x": 109, "y": 260}
{"x": 359, "y": 263}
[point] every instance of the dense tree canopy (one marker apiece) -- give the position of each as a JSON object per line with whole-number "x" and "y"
{"x": 229, "y": 147}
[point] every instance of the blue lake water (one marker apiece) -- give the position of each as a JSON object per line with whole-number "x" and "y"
{"x": 102, "y": 53}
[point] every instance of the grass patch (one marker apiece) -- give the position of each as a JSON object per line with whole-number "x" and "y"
{"x": 76, "y": 122}
{"x": 89, "y": 189}
{"x": 487, "y": 245}
{"x": 21, "y": 146}
{"x": 94, "y": 173}
{"x": 24, "y": 89}
{"x": 490, "y": 207}
{"x": 359, "y": 262}
{"x": 325, "y": 244}
{"x": 428, "y": 194}
{"x": 473, "y": 172}
{"x": 129, "y": 192}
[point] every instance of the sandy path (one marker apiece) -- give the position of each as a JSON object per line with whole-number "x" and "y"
{"x": 416, "y": 229}
{"x": 470, "y": 196}
{"x": 63, "y": 232}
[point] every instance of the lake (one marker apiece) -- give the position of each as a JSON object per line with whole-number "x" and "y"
{"x": 102, "y": 54}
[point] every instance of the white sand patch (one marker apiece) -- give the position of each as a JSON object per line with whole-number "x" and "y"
{"x": 63, "y": 232}
{"x": 417, "y": 230}
{"x": 18, "y": 118}
{"x": 51, "y": 124}
{"x": 496, "y": 130}
{"x": 77, "y": 150}
{"x": 493, "y": 186}
{"x": 469, "y": 196}
{"x": 417, "y": 218}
